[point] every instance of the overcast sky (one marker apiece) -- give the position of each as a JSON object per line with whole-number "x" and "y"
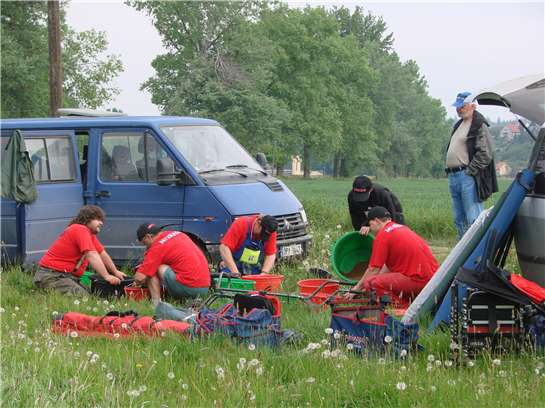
{"x": 457, "y": 45}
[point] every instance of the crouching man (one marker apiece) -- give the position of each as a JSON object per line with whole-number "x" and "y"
{"x": 249, "y": 246}
{"x": 66, "y": 260}
{"x": 174, "y": 260}
{"x": 401, "y": 261}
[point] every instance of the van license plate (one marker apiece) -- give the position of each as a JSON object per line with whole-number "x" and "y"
{"x": 291, "y": 250}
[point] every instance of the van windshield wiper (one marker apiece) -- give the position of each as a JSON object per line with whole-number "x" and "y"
{"x": 243, "y": 166}
{"x": 223, "y": 170}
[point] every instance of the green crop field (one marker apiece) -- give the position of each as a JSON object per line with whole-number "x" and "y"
{"x": 43, "y": 369}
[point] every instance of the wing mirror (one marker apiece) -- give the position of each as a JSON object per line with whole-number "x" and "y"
{"x": 168, "y": 174}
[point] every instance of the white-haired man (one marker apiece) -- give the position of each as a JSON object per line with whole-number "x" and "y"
{"x": 469, "y": 164}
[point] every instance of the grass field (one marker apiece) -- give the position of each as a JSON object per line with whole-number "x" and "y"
{"x": 47, "y": 370}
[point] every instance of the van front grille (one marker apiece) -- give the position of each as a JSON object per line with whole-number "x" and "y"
{"x": 290, "y": 226}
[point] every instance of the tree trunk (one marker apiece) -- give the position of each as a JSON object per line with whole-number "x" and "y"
{"x": 55, "y": 67}
{"x": 336, "y": 164}
{"x": 279, "y": 170}
{"x": 343, "y": 167}
{"x": 306, "y": 161}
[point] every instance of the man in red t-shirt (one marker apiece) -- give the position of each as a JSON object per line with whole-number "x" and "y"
{"x": 249, "y": 246}
{"x": 401, "y": 263}
{"x": 174, "y": 259}
{"x": 66, "y": 260}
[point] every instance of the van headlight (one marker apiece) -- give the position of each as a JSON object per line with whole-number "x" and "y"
{"x": 304, "y": 216}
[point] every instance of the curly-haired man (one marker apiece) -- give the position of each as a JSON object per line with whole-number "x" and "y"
{"x": 65, "y": 261}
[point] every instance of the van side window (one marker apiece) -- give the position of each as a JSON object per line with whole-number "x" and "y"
{"x": 152, "y": 152}
{"x": 118, "y": 156}
{"x": 51, "y": 158}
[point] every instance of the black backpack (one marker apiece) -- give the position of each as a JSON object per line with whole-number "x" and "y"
{"x": 244, "y": 303}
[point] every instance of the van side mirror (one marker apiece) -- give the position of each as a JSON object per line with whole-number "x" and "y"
{"x": 262, "y": 160}
{"x": 168, "y": 174}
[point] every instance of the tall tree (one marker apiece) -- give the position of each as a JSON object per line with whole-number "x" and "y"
{"x": 24, "y": 68}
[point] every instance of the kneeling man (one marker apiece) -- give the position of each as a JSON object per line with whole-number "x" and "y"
{"x": 249, "y": 246}
{"x": 401, "y": 262}
{"x": 173, "y": 259}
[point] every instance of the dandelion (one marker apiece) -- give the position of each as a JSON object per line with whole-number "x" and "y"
{"x": 95, "y": 309}
{"x": 350, "y": 347}
{"x": 401, "y": 386}
{"x": 220, "y": 373}
{"x": 89, "y": 353}
{"x": 403, "y": 368}
{"x": 142, "y": 388}
{"x": 310, "y": 380}
{"x": 431, "y": 358}
{"x": 116, "y": 335}
{"x": 540, "y": 365}
{"x": 124, "y": 325}
{"x": 337, "y": 335}
{"x": 325, "y": 342}
{"x": 170, "y": 375}
{"x": 496, "y": 361}
{"x": 76, "y": 302}
{"x": 471, "y": 363}
{"x": 109, "y": 376}
{"x": 438, "y": 363}
{"x": 328, "y": 330}
{"x": 253, "y": 362}
{"x": 76, "y": 354}
{"x": 338, "y": 226}
{"x": 36, "y": 349}
{"x": 537, "y": 371}
{"x": 502, "y": 373}
{"x": 133, "y": 393}
{"x": 184, "y": 397}
{"x": 448, "y": 363}
{"x": 451, "y": 382}
{"x": 388, "y": 339}
{"x": 166, "y": 353}
{"x": 326, "y": 236}
{"x": 326, "y": 354}
{"x": 105, "y": 302}
{"x": 259, "y": 371}
{"x": 16, "y": 308}
{"x": 185, "y": 386}
{"x": 336, "y": 353}
{"x": 403, "y": 353}
{"x": 251, "y": 346}
{"x": 433, "y": 388}
{"x": 429, "y": 367}
{"x": 2, "y": 310}
{"x": 381, "y": 361}
{"x": 74, "y": 334}
{"x": 252, "y": 396}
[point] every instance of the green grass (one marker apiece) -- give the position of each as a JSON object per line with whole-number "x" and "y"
{"x": 47, "y": 370}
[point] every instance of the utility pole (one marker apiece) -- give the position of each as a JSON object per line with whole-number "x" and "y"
{"x": 55, "y": 65}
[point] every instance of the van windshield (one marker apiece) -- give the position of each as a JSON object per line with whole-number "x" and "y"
{"x": 209, "y": 148}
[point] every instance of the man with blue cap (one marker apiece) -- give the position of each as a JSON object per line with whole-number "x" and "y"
{"x": 469, "y": 163}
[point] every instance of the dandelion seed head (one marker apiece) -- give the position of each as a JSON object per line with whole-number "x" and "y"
{"x": 496, "y": 362}
{"x": 401, "y": 386}
{"x": 388, "y": 339}
{"x": 170, "y": 375}
{"x": 328, "y": 330}
{"x": 310, "y": 380}
{"x": 109, "y": 376}
{"x": 166, "y": 353}
{"x": 350, "y": 347}
{"x": 431, "y": 358}
{"x": 76, "y": 302}
{"x": 251, "y": 346}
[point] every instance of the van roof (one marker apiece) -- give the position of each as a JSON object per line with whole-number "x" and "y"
{"x": 118, "y": 121}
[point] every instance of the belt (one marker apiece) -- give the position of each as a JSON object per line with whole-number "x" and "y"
{"x": 455, "y": 169}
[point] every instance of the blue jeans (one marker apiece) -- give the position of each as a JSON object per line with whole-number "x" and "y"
{"x": 466, "y": 206}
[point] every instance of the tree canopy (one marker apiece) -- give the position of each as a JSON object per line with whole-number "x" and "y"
{"x": 25, "y": 63}
{"x": 325, "y": 84}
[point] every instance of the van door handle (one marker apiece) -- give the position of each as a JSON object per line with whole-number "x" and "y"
{"x": 103, "y": 193}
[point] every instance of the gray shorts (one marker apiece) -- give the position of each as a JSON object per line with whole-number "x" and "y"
{"x": 63, "y": 282}
{"x": 178, "y": 290}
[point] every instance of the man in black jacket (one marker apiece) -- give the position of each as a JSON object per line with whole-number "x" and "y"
{"x": 469, "y": 164}
{"x": 365, "y": 195}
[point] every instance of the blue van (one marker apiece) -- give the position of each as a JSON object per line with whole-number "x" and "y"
{"x": 187, "y": 173}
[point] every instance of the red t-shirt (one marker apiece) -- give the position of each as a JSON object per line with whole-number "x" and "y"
{"x": 236, "y": 234}
{"x": 175, "y": 249}
{"x": 67, "y": 252}
{"x": 403, "y": 251}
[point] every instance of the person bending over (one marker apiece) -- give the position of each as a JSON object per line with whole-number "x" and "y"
{"x": 401, "y": 262}
{"x": 174, "y": 260}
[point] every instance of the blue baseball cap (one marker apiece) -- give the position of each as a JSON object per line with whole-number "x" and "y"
{"x": 461, "y": 99}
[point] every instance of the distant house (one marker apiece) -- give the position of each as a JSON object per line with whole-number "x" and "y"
{"x": 297, "y": 168}
{"x": 510, "y": 130}
{"x": 503, "y": 169}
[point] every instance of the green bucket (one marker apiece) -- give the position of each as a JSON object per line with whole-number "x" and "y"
{"x": 234, "y": 283}
{"x": 84, "y": 279}
{"x": 350, "y": 256}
